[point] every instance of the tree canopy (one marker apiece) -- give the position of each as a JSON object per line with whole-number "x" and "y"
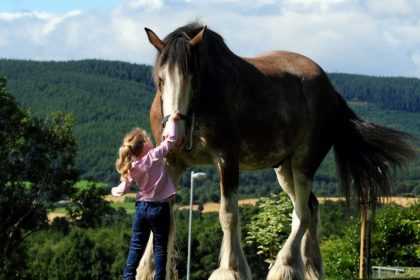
{"x": 36, "y": 169}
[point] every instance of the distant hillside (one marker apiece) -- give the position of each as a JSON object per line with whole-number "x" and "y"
{"x": 393, "y": 93}
{"x": 107, "y": 98}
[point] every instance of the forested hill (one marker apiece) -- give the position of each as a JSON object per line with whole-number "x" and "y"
{"x": 108, "y": 98}
{"x": 395, "y": 93}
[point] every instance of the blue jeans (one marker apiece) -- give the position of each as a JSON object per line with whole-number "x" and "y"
{"x": 155, "y": 217}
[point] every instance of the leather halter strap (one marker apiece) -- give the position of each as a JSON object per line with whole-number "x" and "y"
{"x": 181, "y": 116}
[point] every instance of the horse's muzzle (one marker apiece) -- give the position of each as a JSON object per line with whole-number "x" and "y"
{"x": 184, "y": 141}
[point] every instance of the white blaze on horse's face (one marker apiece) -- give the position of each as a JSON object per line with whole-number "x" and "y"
{"x": 176, "y": 94}
{"x": 176, "y": 91}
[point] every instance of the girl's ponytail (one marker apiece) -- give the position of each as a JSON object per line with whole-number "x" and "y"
{"x": 132, "y": 146}
{"x": 124, "y": 161}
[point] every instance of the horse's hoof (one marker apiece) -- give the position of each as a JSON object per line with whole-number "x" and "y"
{"x": 224, "y": 274}
{"x": 312, "y": 271}
{"x": 144, "y": 276}
{"x": 284, "y": 272}
{"x": 145, "y": 272}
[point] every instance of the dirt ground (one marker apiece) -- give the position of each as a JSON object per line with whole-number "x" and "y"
{"x": 214, "y": 207}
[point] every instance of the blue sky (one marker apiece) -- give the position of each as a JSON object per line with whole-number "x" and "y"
{"x": 374, "y": 37}
{"x": 55, "y": 5}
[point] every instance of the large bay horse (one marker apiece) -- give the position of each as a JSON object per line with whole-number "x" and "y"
{"x": 278, "y": 110}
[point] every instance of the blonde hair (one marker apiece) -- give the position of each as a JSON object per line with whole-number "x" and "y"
{"x": 131, "y": 147}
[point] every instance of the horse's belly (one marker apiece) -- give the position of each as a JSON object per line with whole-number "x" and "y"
{"x": 252, "y": 159}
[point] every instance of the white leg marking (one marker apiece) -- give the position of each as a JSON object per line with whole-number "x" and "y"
{"x": 288, "y": 264}
{"x": 233, "y": 264}
{"x": 311, "y": 252}
{"x": 145, "y": 270}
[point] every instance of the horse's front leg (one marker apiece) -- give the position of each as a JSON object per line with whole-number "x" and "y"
{"x": 145, "y": 270}
{"x": 233, "y": 264}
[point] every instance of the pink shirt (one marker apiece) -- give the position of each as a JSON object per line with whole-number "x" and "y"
{"x": 149, "y": 172}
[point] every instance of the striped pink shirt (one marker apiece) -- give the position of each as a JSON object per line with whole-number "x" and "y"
{"x": 149, "y": 172}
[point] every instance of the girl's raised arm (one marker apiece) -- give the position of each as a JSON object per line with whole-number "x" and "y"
{"x": 170, "y": 139}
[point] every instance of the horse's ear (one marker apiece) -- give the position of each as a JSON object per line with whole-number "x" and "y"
{"x": 199, "y": 37}
{"x": 154, "y": 39}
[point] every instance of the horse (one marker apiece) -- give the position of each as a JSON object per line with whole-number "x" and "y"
{"x": 278, "y": 110}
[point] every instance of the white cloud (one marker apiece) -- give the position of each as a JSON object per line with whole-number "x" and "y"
{"x": 392, "y": 8}
{"x": 416, "y": 59}
{"x": 366, "y": 37}
{"x": 144, "y": 4}
{"x": 53, "y": 22}
{"x": 32, "y": 27}
{"x": 12, "y": 16}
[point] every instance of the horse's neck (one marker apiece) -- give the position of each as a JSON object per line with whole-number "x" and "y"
{"x": 234, "y": 71}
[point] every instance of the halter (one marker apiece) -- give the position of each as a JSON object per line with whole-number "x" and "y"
{"x": 189, "y": 119}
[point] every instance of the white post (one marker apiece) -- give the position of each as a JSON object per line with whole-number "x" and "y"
{"x": 198, "y": 176}
{"x": 189, "y": 225}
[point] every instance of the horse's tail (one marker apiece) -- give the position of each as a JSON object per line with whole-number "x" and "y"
{"x": 367, "y": 155}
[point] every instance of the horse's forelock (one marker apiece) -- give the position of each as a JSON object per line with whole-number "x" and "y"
{"x": 177, "y": 51}
{"x": 176, "y": 54}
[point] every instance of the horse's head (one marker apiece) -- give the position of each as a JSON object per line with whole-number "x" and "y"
{"x": 174, "y": 69}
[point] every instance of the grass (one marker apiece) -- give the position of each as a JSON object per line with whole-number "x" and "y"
{"x": 59, "y": 210}
{"x": 128, "y": 206}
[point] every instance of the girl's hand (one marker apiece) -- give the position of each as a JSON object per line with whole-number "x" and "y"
{"x": 175, "y": 116}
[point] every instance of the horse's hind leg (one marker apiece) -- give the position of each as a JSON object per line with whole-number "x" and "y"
{"x": 311, "y": 252}
{"x": 233, "y": 264}
{"x": 288, "y": 264}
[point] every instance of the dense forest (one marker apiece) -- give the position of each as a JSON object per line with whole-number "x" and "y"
{"x": 107, "y": 98}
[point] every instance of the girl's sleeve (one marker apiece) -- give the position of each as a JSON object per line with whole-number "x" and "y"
{"x": 123, "y": 187}
{"x": 160, "y": 151}
{"x": 166, "y": 145}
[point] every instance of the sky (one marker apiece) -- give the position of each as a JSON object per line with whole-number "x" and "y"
{"x": 372, "y": 37}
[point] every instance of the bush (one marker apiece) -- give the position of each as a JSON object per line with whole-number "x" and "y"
{"x": 89, "y": 208}
{"x": 395, "y": 242}
{"x": 271, "y": 226}
{"x": 82, "y": 254}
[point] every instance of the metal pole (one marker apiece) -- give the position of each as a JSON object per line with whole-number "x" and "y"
{"x": 362, "y": 254}
{"x": 189, "y": 225}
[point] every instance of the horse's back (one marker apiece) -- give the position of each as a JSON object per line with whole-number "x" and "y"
{"x": 306, "y": 109}
{"x": 280, "y": 63}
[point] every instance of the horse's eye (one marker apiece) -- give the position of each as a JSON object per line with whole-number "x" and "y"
{"x": 161, "y": 83}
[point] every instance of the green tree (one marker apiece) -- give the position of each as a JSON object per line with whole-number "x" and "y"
{"x": 36, "y": 168}
{"x": 395, "y": 242}
{"x": 88, "y": 208}
{"x": 271, "y": 226}
{"x": 396, "y": 238}
{"x": 83, "y": 253}
{"x": 341, "y": 255}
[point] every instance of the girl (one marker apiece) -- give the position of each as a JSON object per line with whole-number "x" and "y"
{"x": 143, "y": 164}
